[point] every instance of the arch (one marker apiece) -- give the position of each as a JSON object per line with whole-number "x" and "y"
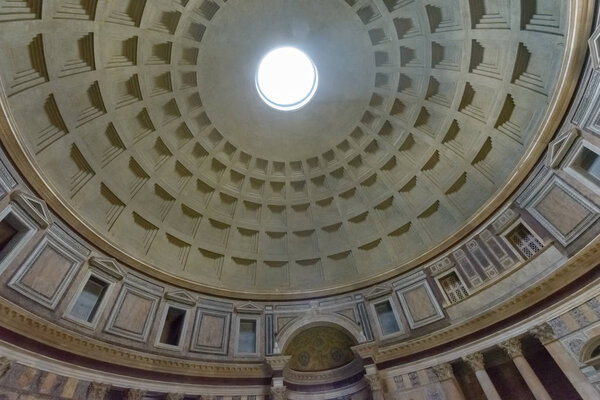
{"x": 589, "y": 348}
{"x": 309, "y": 321}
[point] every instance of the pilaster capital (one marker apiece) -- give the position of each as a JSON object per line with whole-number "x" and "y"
{"x": 135, "y": 394}
{"x": 443, "y": 371}
{"x": 544, "y": 333}
{"x": 97, "y": 391}
{"x": 475, "y": 361}
{"x": 5, "y": 366}
{"x": 512, "y": 347}
{"x": 278, "y": 392}
{"x": 374, "y": 382}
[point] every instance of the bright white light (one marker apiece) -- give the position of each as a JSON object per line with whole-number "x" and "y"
{"x": 286, "y": 79}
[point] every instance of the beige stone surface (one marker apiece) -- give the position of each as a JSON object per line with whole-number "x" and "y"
{"x": 143, "y": 123}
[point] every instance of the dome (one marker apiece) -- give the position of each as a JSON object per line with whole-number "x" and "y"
{"x": 299, "y": 200}
{"x": 144, "y": 128}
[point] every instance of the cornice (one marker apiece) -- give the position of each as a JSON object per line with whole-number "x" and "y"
{"x": 26, "y": 324}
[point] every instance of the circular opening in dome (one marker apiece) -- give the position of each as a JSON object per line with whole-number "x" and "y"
{"x": 287, "y": 79}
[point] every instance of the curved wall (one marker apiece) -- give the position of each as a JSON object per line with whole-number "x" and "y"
{"x": 529, "y": 272}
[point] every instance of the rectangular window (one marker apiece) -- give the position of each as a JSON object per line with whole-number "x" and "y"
{"x": 173, "y": 326}
{"x": 525, "y": 242}
{"x": 453, "y": 287}
{"x": 588, "y": 162}
{"x": 247, "y": 336}
{"x": 7, "y": 232}
{"x": 89, "y": 299}
{"x": 386, "y": 317}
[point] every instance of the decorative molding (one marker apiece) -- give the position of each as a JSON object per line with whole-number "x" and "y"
{"x": 249, "y": 308}
{"x": 475, "y": 361}
{"x": 279, "y": 393}
{"x": 378, "y": 291}
{"x": 221, "y": 348}
{"x": 594, "y": 45}
{"x": 512, "y": 347}
{"x": 544, "y": 333}
{"x": 5, "y": 366}
{"x": 36, "y": 208}
{"x": 374, "y": 382}
{"x": 443, "y": 371}
{"x": 559, "y": 147}
{"x": 50, "y": 299}
{"x": 181, "y": 296}
{"x": 97, "y": 391}
{"x": 126, "y": 291}
{"x": 108, "y": 266}
{"x": 543, "y": 189}
{"x": 135, "y": 394}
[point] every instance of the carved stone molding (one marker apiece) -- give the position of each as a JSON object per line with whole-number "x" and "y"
{"x": 97, "y": 391}
{"x": 475, "y": 361}
{"x": 374, "y": 382}
{"x": 512, "y": 347}
{"x": 544, "y": 333}
{"x": 278, "y": 393}
{"x": 135, "y": 394}
{"x": 5, "y": 366}
{"x": 443, "y": 371}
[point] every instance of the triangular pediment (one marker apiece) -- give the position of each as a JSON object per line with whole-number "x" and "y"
{"x": 249, "y": 308}
{"x": 108, "y": 266}
{"x": 378, "y": 291}
{"x": 34, "y": 207}
{"x": 181, "y": 296}
{"x": 558, "y": 148}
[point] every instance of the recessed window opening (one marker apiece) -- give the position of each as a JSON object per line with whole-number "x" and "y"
{"x": 453, "y": 287}
{"x": 247, "y": 336}
{"x": 386, "y": 317}
{"x": 525, "y": 242}
{"x": 588, "y": 162}
{"x": 89, "y": 299}
{"x": 286, "y": 79}
{"x": 7, "y": 232}
{"x": 173, "y": 326}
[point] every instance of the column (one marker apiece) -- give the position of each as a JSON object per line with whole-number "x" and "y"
{"x": 97, "y": 391}
{"x": 567, "y": 364}
{"x": 448, "y": 382}
{"x": 513, "y": 348}
{"x": 5, "y": 366}
{"x": 277, "y": 364}
{"x": 135, "y": 394}
{"x": 476, "y": 363}
{"x": 278, "y": 392}
{"x": 372, "y": 376}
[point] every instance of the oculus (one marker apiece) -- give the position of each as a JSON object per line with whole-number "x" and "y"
{"x": 286, "y": 79}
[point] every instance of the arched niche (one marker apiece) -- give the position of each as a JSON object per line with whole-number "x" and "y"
{"x": 338, "y": 322}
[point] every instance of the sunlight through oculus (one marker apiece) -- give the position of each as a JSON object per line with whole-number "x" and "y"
{"x": 286, "y": 79}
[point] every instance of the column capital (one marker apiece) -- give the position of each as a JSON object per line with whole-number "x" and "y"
{"x": 174, "y": 396}
{"x": 374, "y": 382}
{"x": 475, "y": 361}
{"x": 443, "y": 371}
{"x": 512, "y": 347}
{"x": 278, "y": 392}
{"x": 97, "y": 391}
{"x": 5, "y": 366}
{"x": 544, "y": 333}
{"x": 135, "y": 394}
